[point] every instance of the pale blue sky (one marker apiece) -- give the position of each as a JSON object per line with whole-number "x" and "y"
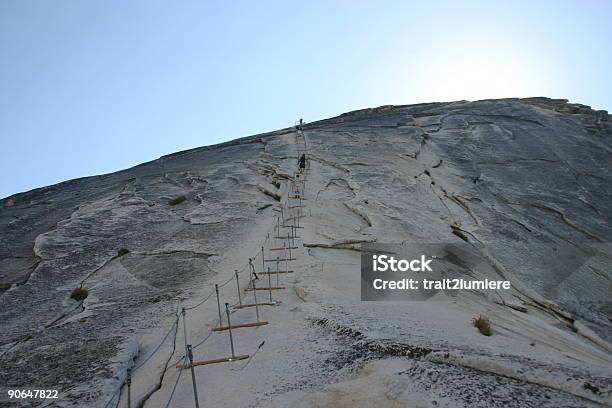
{"x": 89, "y": 87}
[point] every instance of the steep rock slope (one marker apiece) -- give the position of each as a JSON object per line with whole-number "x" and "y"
{"x": 525, "y": 182}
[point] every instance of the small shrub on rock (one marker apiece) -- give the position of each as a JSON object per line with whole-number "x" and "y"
{"x": 79, "y": 293}
{"x": 177, "y": 200}
{"x": 483, "y": 325}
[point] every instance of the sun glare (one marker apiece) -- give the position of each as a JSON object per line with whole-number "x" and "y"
{"x": 483, "y": 77}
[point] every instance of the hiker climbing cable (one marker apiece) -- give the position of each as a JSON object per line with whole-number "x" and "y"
{"x": 302, "y": 162}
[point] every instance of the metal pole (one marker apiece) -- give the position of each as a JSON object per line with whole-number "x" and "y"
{"x": 238, "y": 285}
{"x": 270, "y": 284}
{"x": 298, "y": 223}
{"x": 293, "y": 235}
{"x": 184, "y": 326}
{"x": 277, "y": 262}
{"x": 263, "y": 260}
{"x": 193, "y": 380}
{"x": 219, "y": 305}
{"x": 299, "y": 212}
{"x": 128, "y": 381}
{"x": 289, "y": 244}
{"x": 256, "y": 305}
{"x": 252, "y": 267}
{"x": 189, "y": 354}
{"x": 229, "y": 329}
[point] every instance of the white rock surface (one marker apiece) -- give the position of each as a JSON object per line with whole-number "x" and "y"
{"x": 515, "y": 178}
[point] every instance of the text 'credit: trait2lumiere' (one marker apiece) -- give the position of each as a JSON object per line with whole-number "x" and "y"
{"x": 420, "y": 272}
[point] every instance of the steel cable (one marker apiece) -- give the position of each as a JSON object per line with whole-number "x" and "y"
{"x": 174, "y": 325}
{"x": 178, "y": 377}
{"x": 200, "y": 304}
{"x": 250, "y": 358}
{"x": 113, "y": 397}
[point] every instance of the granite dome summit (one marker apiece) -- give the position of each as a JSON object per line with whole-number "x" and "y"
{"x": 528, "y": 182}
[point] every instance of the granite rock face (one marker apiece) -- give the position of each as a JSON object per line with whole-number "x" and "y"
{"x": 528, "y": 182}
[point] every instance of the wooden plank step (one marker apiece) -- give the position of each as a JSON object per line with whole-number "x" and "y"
{"x": 279, "y": 260}
{"x": 273, "y": 273}
{"x": 240, "y": 326}
{"x": 214, "y": 361}
{"x": 253, "y": 305}
{"x": 272, "y": 288}
{"x": 295, "y": 218}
